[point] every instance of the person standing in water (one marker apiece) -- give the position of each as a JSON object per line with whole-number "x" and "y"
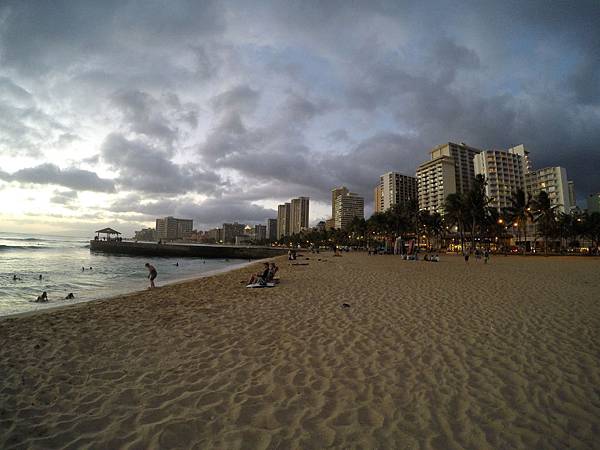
{"x": 151, "y": 274}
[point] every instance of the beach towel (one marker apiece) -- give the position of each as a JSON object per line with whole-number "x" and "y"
{"x": 259, "y": 285}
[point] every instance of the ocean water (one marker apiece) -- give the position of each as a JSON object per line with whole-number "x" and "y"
{"x": 59, "y": 260}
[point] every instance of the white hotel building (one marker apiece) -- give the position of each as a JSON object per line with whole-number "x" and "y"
{"x": 505, "y": 173}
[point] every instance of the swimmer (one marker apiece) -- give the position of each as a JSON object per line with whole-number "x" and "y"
{"x": 69, "y": 296}
{"x": 42, "y": 298}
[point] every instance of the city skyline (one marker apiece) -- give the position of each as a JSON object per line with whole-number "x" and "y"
{"x": 220, "y": 112}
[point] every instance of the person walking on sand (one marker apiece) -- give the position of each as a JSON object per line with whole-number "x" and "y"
{"x": 151, "y": 274}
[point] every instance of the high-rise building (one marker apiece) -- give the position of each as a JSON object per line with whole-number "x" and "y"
{"x": 272, "y": 230}
{"x": 283, "y": 220}
{"x": 463, "y": 163}
{"x": 378, "y": 197}
{"x": 260, "y": 232}
{"x": 347, "y": 207}
{"x": 504, "y": 172}
{"x": 231, "y": 230}
{"x": 395, "y": 189}
{"x": 593, "y": 203}
{"x": 170, "y": 228}
{"x": 215, "y": 234}
{"x": 299, "y": 214}
{"x": 334, "y": 195}
{"x": 554, "y": 181}
{"x": 435, "y": 181}
{"x": 435, "y": 177}
{"x": 572, "y": 197}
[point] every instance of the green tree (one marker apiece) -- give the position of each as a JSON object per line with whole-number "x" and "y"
{"x": 521, "y": 214}
{"x": 544, "y": 215}
{"x": 456, "y": 214}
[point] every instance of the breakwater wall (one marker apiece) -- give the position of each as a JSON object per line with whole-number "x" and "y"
{"x": 185, "y": 250}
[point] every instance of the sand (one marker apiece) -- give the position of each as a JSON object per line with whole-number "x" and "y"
{"x": 428, "y": 355}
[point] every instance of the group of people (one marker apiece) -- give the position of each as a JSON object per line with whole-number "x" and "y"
{"x": 16, "y": 278}
{"x": 266, "y": 276}
{"x": 478, "y": 255}
{"x": 44, "y": 297}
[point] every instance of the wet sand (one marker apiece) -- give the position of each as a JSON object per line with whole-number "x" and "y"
{"x": 427, "y": 355}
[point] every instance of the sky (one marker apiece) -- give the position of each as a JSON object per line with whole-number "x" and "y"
{"x": 114, "y": 113}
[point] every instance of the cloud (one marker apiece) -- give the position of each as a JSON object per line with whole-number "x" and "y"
{"x": 209, "y": 213}
{"x": 142, "y": 167}
{"x": 248, "y": 102}
{"x": 64, "y": 197}
{"x": 73, "y": 178}
{"x": 241, "y": 99}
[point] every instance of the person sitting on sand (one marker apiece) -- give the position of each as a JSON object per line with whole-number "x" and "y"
{"x": 152, "y": 274}
{"x": 272, "y": 271}
{"x": 69, "y": 296}
{"x": 260, "y": 277}
{"x": 42, "y": 298}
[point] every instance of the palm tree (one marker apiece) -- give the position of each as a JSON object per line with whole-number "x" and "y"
{"x": 520, "y": 213}
{"x": 592, "y": 230}
{"x": 455, "y": 214}
{"x": 476, "y": 202}
{"x": 544, "y": 214}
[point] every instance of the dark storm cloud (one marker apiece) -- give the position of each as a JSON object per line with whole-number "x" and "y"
{"x": 297, "y": 97}
{"x": 41, "y": 36}
{"x": 73, "y": 178}
{"x": 142, "y": 167}
{"x": 242, "y": 99}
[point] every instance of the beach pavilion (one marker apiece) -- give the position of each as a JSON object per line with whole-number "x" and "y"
{"x": 109, "y": 232}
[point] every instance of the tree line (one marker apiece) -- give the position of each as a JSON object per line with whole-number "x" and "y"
{"x": 469, "y": 219}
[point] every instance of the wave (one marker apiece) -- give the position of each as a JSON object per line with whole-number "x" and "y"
{"x": 29, "y": 247}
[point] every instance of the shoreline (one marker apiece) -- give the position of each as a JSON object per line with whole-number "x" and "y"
{"x": 187, "y": 279}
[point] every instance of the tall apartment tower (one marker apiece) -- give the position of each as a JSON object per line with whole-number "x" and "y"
{"x": 334, "y": 195}
{"x": 170, "y": 228}
{"x": 450, "y": 170}
{"x": 232, "y": 230}
{"x": 572, "y": 197}
{"x": 463, "y": 163}
{"x": 283, "y": 220}
{"x": 593, "y": 203}
{"x": 436, "y": 180}
{"x": 394, "y": 189}
{"x": 272, "y": 229}
{"x": 260, "y": 232}
{"x": 347, "y": 207}
{"x": 378, "y": 197}
{"x": 554, "y": 181}
{"x": 299, "y": 214}
{"x": 505, "y": 173}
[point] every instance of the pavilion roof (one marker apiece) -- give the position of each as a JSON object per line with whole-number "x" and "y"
{"x": 108, "y": 231}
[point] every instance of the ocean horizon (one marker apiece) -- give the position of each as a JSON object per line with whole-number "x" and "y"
{"x": 66, "y": 265}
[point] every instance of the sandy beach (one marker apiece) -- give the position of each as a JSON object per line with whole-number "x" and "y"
{"x": 426, "y": 356}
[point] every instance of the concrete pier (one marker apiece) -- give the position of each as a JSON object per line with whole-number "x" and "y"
{"x": 185, "y": 250}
